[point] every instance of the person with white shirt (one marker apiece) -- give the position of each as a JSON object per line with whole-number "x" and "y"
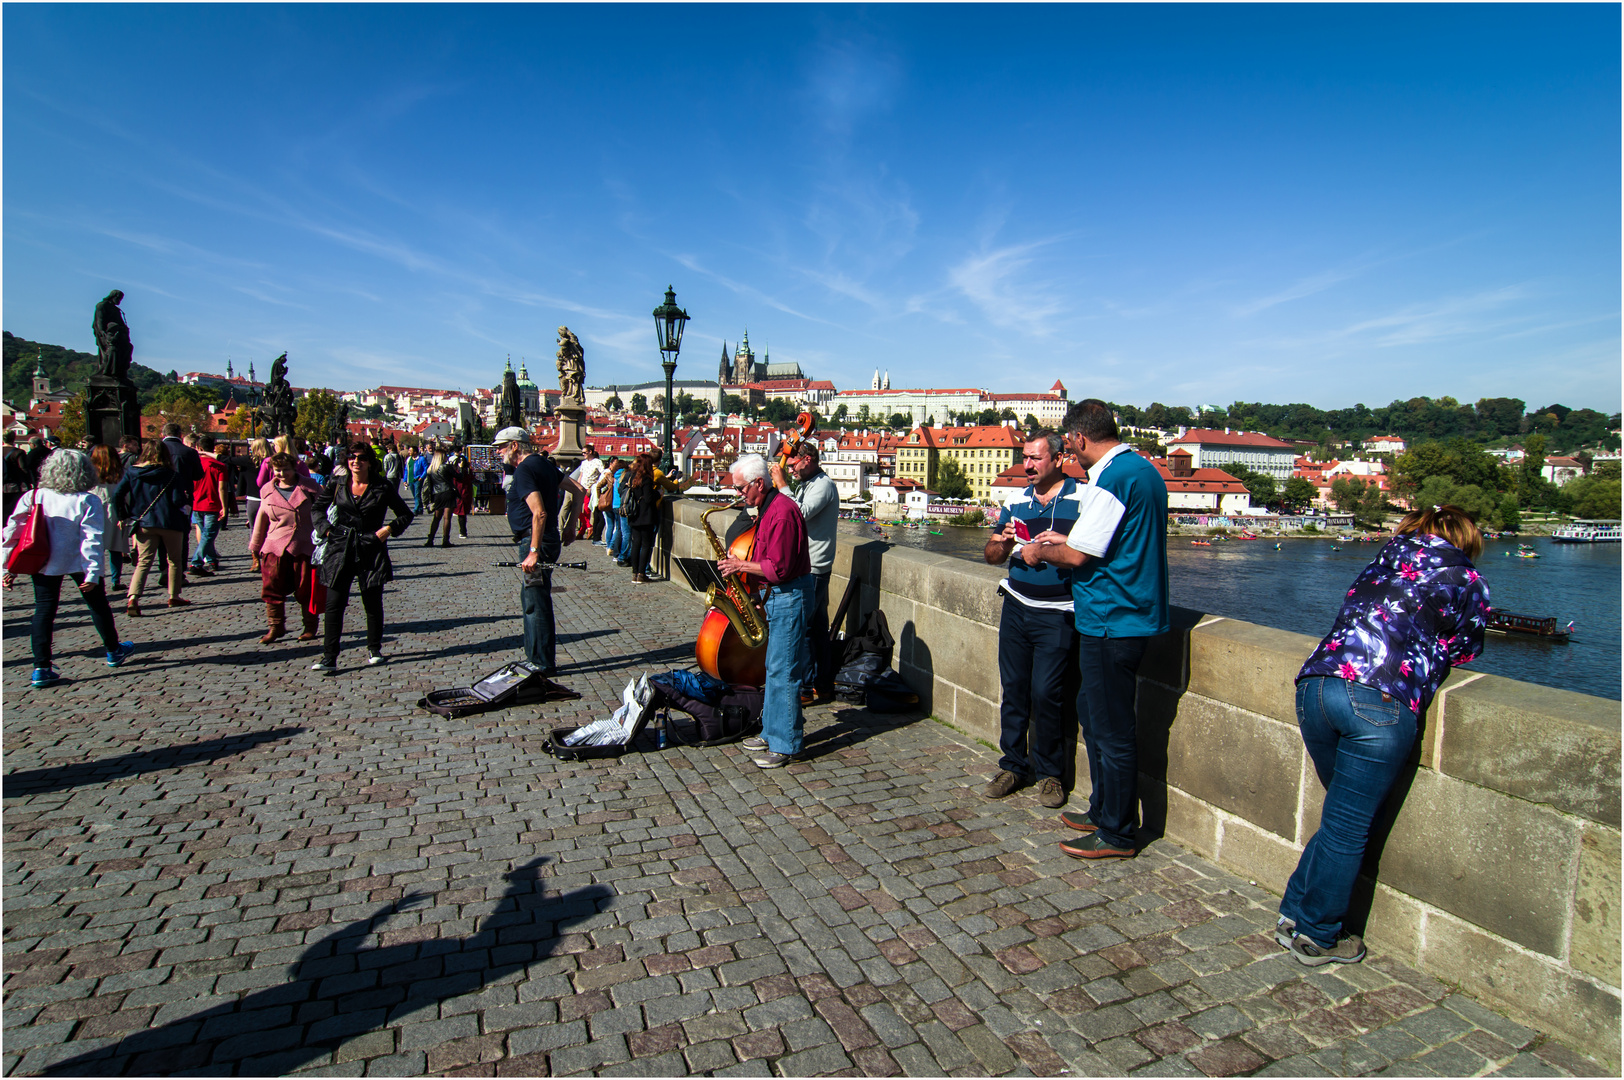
{"x": 75, "y": 520}
{"x": 587, "y": 474}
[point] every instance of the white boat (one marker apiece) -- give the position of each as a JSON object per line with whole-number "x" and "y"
{"x": 1588, "y": 531}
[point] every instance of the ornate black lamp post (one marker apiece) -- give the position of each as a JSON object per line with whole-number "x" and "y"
{"x": 669, "y": 322}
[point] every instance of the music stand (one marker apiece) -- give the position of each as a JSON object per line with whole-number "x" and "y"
{"x": 701, "y": 573}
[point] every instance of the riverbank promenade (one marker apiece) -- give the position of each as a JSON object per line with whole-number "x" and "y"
{"x": 218, "y": 862}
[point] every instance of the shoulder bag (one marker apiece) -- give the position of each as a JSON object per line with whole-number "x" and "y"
{"x": 33, "y": 548}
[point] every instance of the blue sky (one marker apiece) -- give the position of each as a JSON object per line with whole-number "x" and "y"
{"x": 1183, "y": 204}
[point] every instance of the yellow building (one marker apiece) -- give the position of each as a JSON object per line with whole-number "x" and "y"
{"x": 981, "y": 453}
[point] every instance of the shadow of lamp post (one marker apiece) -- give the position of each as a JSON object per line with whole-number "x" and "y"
{"x": 669, "y": 322}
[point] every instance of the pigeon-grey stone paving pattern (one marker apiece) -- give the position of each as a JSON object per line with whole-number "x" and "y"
{"x": 218, "y": 862}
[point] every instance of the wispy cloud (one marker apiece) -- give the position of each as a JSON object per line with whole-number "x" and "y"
{"x": 692, "y": 263}
{"x": 998, "y": 283}
{"x": 1307, "y": 286}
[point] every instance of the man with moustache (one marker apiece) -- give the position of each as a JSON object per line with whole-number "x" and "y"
{"x": 1036, "y": 636}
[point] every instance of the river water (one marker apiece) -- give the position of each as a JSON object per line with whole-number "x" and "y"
{"x": 1301, "y": 586}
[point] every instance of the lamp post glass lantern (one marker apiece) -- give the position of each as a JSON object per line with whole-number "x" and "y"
{"x": 669, "y": 323}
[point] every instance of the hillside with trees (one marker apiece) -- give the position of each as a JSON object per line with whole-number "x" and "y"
{"x": 69, "y": 369}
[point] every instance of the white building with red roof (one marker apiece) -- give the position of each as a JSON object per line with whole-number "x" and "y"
{"x": 1213, "y": 449}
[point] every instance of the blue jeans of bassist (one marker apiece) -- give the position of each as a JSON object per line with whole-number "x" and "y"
{"x": 781, "y": 719}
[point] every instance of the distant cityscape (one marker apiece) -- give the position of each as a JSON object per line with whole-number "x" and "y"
{"x": 913, "y": 447}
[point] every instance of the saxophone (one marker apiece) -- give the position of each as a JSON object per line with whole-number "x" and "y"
{"x": 743, "y": 612}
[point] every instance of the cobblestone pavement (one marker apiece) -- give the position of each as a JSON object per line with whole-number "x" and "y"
{"x": 217, "y": 861}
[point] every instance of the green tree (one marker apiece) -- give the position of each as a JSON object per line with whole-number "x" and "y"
{"x": 1007, "y": 414}
{"x": 315, "y": 414}
{"x": 1607, "y": 470}
{"x": 614, "y": 404}
{"x": 72, "y": 427}
{"x": 951, "y": 483}
{"x": 1031, "y": 423}
{"x": 1298, "y": 493}
{"x": 184, "y": 404}
{"x": 987, "y": 418}
{"x": 1591, "y": 496}
{"x": 639, "y": 404}
{"x": 241, "y": 423}
{"x": 1373, "y": 503}
{"x": 840, "y": 413}
{"x": 778, "y": 411}
{"x": 1510, "y": 516}
{"x": 1533, "y": 464}
{"x": 1346, "y": 491}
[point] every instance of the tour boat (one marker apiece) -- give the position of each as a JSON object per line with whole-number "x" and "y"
{"x": 1527, "y": 627}
{"x": 1586, "y": 531}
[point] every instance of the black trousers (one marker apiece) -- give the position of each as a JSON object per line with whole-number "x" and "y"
{"x": 1037, "y": 648}
{"x": 48, "y": 597}
{"x": 820, "y": 671}
{"x": 642, "y": 549}
{"x": 338, "y": 598}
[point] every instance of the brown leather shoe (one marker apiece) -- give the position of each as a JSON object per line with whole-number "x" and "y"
{"x": 1080, "y": 822}
{"x": 132, "y": 610}
{"x": 1001, "y": 785}
{"x": 1050, "y": 793}
{"x": 180, "y": 601}
{"x": 1092, "y": 847}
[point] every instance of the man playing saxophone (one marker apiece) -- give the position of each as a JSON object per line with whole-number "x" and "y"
{"x": 780, "y": 557}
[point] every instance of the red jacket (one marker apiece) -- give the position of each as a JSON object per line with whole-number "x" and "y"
{"x": 206, "y": 492}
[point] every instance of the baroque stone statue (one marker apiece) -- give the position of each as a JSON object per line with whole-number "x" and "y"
{"x": 112, "y": 337}
{"x": 339, "y": 433}
{"x": 571, "y": 369}
{"x": 279, "y": 410}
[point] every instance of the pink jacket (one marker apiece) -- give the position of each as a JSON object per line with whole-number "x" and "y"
{"x": 283, "y": 524}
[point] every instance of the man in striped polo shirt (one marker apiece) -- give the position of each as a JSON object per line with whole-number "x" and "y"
{"x": 1036, "y": 635}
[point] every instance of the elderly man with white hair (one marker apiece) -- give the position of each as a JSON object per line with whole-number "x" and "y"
{"x": 780, "y": 557}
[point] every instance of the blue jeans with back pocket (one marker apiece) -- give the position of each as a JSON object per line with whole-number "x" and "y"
{"x": 1360, "y": 740}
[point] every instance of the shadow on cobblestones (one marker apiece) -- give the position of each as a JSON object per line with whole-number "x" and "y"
{"x": 64, "y": 777}
{"x": 353, "y": 982}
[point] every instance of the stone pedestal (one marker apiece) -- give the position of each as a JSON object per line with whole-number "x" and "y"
{"x": 571, "y": 436}
{"x": 112, "y": 410}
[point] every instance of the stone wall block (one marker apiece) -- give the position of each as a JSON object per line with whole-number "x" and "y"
{"x": 1525, "y": 986}
{"x": 1396, "y": 921}
{"x": 1190, "y": 821}
{"x": 1261, "y": 762}
{"x": 1253, "y": 667}
{"x": 1501, "y": 863}
{"x": 1257, "y": 855}
{"x": 1537, "y": 743}
{"x": 1594, "y": 945}
{"x": 1312, "y": 795}
{"x": 974, "y": 715}
{"x": 957, "y": 649}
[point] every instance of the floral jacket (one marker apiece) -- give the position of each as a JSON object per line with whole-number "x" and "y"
{"x": 1416, "y": 611}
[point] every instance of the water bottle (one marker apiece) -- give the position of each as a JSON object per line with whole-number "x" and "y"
{"x": 660, "y": 724}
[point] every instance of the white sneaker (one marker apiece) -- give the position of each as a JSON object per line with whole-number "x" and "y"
{"x": 375, "y": 658}
{"x": 754, "y": 744}
{"x": 324, "y": 667}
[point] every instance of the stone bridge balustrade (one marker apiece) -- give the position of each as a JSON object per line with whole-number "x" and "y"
{"x": 1501, "y": 872}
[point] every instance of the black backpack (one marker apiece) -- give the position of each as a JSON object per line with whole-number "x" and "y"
{"x": 631, "y": 503}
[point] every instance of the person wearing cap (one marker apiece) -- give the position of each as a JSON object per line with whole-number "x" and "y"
{"x": 532, "y": 509}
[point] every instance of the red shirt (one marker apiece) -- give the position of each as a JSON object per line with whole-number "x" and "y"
{"x": 780, "y": 545}
{"x": 206, "y": 492}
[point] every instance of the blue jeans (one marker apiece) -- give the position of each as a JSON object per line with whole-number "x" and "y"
{"x": 417, "y": 495}
{"x": 781, "y": 718}
{"x": 614, "y": 532}
{"x": 208, "y": 525}
{"x": 1361, "y": 740}
{"x": 1034, "y": 653}
{"x": 47, "y": 597}
{"x": 536, "y": 601}
{"x": 1105, "y": 712}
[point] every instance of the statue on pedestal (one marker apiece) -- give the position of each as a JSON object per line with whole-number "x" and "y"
{"x": 339, "y": 433}
{"x": 572, "y": 399}
{"x": 509, "y": 408}
{"x": 280, "y": 413}
{"x": 112, "y": 408}
{"x": 571, "y": 369}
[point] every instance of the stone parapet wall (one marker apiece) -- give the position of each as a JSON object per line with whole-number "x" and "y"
{"x": 1501, "y": 872}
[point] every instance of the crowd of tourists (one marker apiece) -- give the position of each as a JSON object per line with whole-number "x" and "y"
{"x": 1086, "y": 594}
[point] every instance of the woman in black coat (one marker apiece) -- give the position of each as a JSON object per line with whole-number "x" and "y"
{"x": 357, "y": 551}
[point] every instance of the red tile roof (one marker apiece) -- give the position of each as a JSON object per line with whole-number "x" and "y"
{"x": 1213, "y": 437}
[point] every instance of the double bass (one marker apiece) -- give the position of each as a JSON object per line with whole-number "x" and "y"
{"x": 732, "y": 642}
